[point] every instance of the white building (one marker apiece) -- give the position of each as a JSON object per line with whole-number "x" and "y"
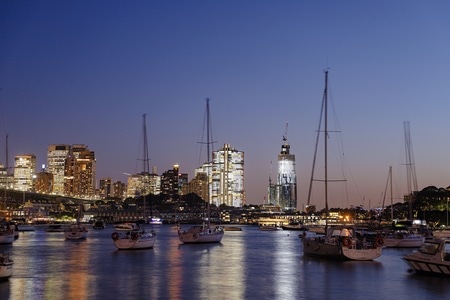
{"x": 24, "y": 171}
{"x": 228, "y": 177}
{"x": 56, "y": 159}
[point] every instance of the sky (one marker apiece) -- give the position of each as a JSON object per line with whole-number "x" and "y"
{"x": 84, "y": 72}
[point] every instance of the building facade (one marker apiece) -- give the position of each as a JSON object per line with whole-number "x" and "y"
{"x": 286, "y": 185}
{"x": 56, "y": 164}
{"x": 228, "y": 177}
{"x": 24, "y": 171}
{"x": 79, "y": 175}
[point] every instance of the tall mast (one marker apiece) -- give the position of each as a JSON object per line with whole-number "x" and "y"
{"x": 410, "y": 167}
{"x": 146, "y": 164}
{"x": 207, "y": 152}
{"x": 392, "y": 204}
{"x": 325, "y": 99}
{"x": 145, "y": 169}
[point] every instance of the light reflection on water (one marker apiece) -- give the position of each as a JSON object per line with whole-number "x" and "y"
{"x": 248, "y": 264}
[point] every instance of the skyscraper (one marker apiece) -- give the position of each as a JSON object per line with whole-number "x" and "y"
{"x": 286, "y": 186}
{"x": 56, "y": 160}
{"x": 80, "y": 169}
{"x": 228, "y": 177}
{"x": 24, "y": 171}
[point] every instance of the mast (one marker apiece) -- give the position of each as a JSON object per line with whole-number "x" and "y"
{"x": 208, "y": 155}
{"x": 392, "y": 204}
{"x": 410, "y": 167}
{"x": 146, "y": 167}
{"x": 325, "y": 99}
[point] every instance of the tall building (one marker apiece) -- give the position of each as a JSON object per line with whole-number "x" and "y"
{"x": 198, "y": 184}
{"x": 43, "y": 182}
{"x": 6, "y": 179}
{"x": 80, "y": 169}
{"x": 143, "y": 184}
{"x": 119, "y": 189}
{"x": 170, "y": 183}
{"x": 24, "y": 172}
{"x": 286, "y": 186}
{"x": 228, "y": 177}
{"x": 56, "y": 161}
{"x": 105, "y": 186}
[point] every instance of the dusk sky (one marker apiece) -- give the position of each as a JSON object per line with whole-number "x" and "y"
{"x": 84, "y": 72}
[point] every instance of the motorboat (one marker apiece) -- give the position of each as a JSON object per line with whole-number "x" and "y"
{"x": 76, "y": 232}
{"x": 134, "y": 238}
{"x": 294, "y": 226}
{"x": 433, "y": 257}
{"x": 403, "y": 239}
{"x": 269, "y": 227}
{"x": 201, "y": 234}
{"x": 6, "y": 234}
{"x": 6, "y": 266}
{"x": 99, "y": 224}
{"x": 55, "y": 228}
{"x": 25, "y": 227}
{"x": 155, "y": 221}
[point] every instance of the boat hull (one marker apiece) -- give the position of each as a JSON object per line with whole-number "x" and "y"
{"x": 25, "y": 227}
{"x": 317, "y": 248}
{"x": 145, "y": 241}
{"x": 412, "y": 242}
{"x": 199, "y": 234}
{"x": 75, "y": 235}
{"x": 433, "y": 258}
{"x": 6, "y": 238}
{"x": 6, "y": 267}
{"x": 76, "y": 232}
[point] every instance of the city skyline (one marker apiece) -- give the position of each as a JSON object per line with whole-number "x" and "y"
{"x": 84, "y": 73}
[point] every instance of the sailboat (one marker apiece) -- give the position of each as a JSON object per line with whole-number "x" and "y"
{"x": 205, "y": 233}
{"x": 76, "y": 231}
{"x": 129, "y": 236}
{"x": 401, "y": 238}
{"x": 343, "y": 242}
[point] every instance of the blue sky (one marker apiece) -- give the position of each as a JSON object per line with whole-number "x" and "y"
{"x": 85, "y": 72}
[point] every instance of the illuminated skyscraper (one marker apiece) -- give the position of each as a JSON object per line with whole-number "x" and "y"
{"x": 56, "y": 161}
{"x": 286, "y": 186}
{"x": 24, "y": 171}
{"x": 80, "y": 169}
{"x": 228, "y": 177}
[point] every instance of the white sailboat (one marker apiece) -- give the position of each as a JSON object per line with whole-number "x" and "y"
{"x": 340, "y": 242}
{"x": 130, "y": 236}
{"x": 76, "y": 232}
{"x": 401, "y": 238}
{"x": 127, "y": 236}
{"x": 205, "y": 233}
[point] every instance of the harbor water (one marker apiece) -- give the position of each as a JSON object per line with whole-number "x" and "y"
{"x": 247, "y": 264}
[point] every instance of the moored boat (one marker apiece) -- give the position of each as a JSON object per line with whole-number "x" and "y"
{"x": 201, "y": 234}
{"x": 76, "y": 232}
{"x": 343, "y": 243}
{"x": 6, "y": 266}
{"x": 403, "y": 239}
{"x": 340, "y": 242}
{"x": 206, "y": 233}
{"x": 56, "y": 228}
{"x": 269, "y": 227}
{"x": 134, "y": 238}
{"x": 99, "y": 224}
{"x": 6, "y": 234}
{"x": 433, "y": 258}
